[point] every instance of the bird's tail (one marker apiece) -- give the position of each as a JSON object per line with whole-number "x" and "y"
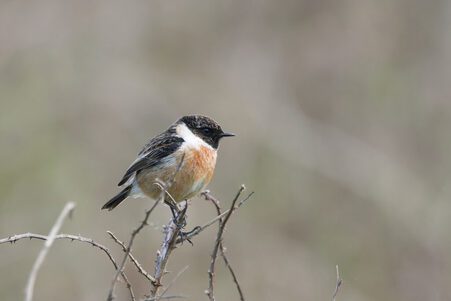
{"x": 111, "y": 204}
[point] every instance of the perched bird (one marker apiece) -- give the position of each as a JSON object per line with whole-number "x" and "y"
{"x": 183, "y": 156}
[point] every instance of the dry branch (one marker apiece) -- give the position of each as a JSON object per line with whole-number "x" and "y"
{"x": 14, "y": 238}
{"x": 132, "y": 258}
{"x": 199, "y": 229}
{"x": 215, "y": 202}
{"x": 165, "y": 289}
{"x": 338, "y": 284}
{"x": 165, "y": 297}
{"x": 43, "y": 253}
{"x": 119, "y": 269}
{"x": 172, "y": 236}
{"x": 214, "y": 254}
{"x": 171, "y": 232}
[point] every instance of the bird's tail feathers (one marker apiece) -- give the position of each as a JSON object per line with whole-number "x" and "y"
{"x": 111, "y": 204}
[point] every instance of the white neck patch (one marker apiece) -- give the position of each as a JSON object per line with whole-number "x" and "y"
{"x": 191, "y": 140}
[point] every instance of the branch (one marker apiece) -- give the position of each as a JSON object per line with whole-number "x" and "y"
{"x": 132, "y": 258}
{"x": 129, "y": 246}
{"x": 214, "y": 254}
{"x": 48, "y": 243}
{"x": 165, "y": 289}
{"x": 172, "y": 236}
{"x": 165, "y": 297}
{"x": 199, "y": 229}
{"x": 338, "y": 284}
{"x": 232, "y": 272}
{"x": 14, "y": 238}
{"x": 171, "y": 231}
{"x": 215, "y": 202}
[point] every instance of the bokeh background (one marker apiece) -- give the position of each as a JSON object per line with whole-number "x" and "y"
{"x": 342, "y": 112}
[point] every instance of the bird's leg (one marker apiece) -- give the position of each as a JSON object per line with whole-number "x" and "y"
{"x": 183, "y": 235}
{"x": 182, "y": 223}
{"x": 174, "y": 208}
{"x": 175, "y": 212}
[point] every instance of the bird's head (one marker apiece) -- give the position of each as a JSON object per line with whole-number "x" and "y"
{"x": 205, "y": 128}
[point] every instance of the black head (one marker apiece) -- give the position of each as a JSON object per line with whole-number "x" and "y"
{"x": 205, "y": 128}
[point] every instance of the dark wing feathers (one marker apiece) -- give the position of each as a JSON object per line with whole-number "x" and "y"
{"x": 151, "y": 155}
{"x": 138, "y": 165}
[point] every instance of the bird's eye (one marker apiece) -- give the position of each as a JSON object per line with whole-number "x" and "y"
{"x": 206, "y": 131}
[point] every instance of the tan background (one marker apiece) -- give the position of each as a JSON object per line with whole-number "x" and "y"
{"x": 342, "y": 113}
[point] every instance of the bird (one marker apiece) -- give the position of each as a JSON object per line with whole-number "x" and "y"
{"x": 183, "y": 157}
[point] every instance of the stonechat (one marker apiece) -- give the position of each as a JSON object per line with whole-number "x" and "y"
{"x": 183, "y": 156}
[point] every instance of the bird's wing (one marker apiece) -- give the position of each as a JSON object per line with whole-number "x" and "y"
{"x": 152, "y": 153}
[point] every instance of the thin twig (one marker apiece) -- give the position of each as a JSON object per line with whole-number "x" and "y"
{"x": 209, "y": 197}
{"x": 171, "y": 231}
{"x": 165, "y": 289}
{"x": 166, "y": 297}
{"x": 43, "y": 253}
{"x": 215, "y": 202}
{"x": 214, "y": 254}
{"x": 232, "y": 272}
{"x": 162, "y": 188}
{"x": 132, "y": 258}
{"x": 338, "y": 284}
{"x": 138, "y": 229}
{"x": 127, "y": 251}
{"x": 199, "y": 229}
{"x": 14, "y": 238}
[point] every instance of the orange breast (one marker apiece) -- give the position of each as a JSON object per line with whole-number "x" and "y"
{"x": 194, "y": 174}
{"x": 201, "y": 161}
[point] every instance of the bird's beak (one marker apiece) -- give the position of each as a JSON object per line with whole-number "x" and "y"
{"x": 227, "y": 135}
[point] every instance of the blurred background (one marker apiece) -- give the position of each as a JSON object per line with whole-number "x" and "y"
{"x": 342, "y": 113}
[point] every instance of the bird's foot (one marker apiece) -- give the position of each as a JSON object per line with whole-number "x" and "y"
{"x": 184, "y": 235}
